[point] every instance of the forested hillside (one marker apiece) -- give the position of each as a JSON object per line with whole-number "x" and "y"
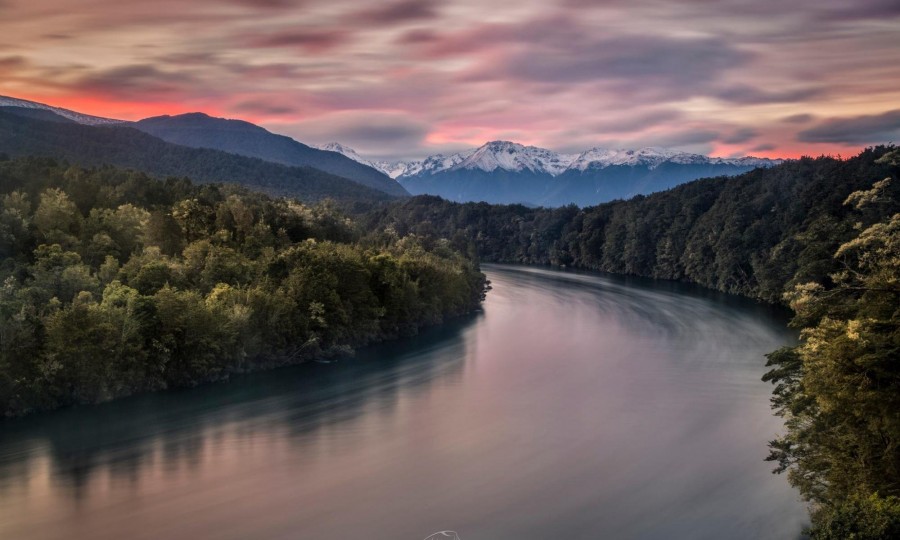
{"x": 839, "y": 390}
{"x": 114, "y": 282}
{"x": 755, "y": 234}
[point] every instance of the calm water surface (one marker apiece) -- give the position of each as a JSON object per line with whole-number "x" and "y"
{"x": 576, "y": 406}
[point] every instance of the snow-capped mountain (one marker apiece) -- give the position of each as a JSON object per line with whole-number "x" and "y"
{"x": 346, "y": 151}
{"x": 510, "y": 156}
{"x": 514, "y": 157}
{"x": 397, "y": 169}
{"x": 199, "y": 130}
{"x": 86, "y": 119}
{"x": 653, "y": 157}
{"x": 508, "y": 172}
{"x": 435, "y": 164}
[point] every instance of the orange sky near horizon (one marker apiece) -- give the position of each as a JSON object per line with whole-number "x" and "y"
{"x": 409, "y": 78}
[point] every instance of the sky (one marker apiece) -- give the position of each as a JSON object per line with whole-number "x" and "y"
{"x": 402, "y": 79}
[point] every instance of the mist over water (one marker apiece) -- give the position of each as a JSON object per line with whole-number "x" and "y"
{"x": 576, "y": 406}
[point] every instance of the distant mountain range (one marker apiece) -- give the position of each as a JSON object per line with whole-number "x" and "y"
{"x": 506, "y": 172}
{"x": 198, "y": 130}
{"x": 496, "y": 172}
{"x": 34, "y": 132}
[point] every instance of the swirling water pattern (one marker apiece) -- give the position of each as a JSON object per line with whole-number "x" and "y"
{"x": 576, "y": 406}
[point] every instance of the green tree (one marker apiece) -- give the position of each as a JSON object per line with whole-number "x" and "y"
{"x": 839, "y": 390}
{"x": 57, "y": 219}
{"x": 118, "y": 283}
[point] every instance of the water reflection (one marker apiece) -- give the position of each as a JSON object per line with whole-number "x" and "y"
{"x": 124, "y": 435}
{"x": 576, "y": 406}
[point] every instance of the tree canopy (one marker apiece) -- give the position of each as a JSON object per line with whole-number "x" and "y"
{"x": 839, "y": 390}
{"x": 112, "y": 282}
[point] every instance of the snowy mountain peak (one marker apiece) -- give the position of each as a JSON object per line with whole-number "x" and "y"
{"x": 345, "y": 150}
{"x": 6, "y": 101}
{"x": 392, "y": 169}
{"x": 510, "y": 156}
{"x": 397, "y": 169}
{"x": 650, "y": 157}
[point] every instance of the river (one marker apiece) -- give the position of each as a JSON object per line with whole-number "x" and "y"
{"x": 576, "y": 406}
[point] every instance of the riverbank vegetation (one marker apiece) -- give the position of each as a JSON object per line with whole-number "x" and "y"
{"x": 112, "y": 282}
{"x": 839, "y": 390}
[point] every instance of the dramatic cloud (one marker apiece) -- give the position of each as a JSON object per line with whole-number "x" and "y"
{"x": 398, "y": 12}
{"x": 311, "y": 40}
{"x": 763, "y": 148}
{"x": 742, "y": 135}
{"x": 634, "y": 60}
{"x": 405, "y": 78}
{"x": 262, "y": 107}
{"x": 126, "y": 81}
{"x": 631, "y": 121}
{"x": 417, "y": 37}
{"x": 376, "y": 134}
{"x": 750, "y": 95}
{"x": 869, "y": 129}
{"x": 836, "y": 10}
{"x": 12, "y": 62}
{"x": 801, "y": 118}
{"x": 688, "y": 138}
{"x": 269, "y": 4}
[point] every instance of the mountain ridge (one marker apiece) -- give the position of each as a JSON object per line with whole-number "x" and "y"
{"x": 81, "y": 118}
{"x": 201, "y": 130}
{"x": 505, "y": 172}
{"x": 124, "y": 146}
{"x": 493, "y": 155}
{"x": 496, "y": 172}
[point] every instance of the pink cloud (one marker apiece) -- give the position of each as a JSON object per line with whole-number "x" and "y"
{"x": 407, "y": 77}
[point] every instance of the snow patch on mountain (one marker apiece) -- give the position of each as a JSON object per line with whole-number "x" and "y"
{"x": 392, "y": 169}
{"x": 6, "y": 101}
{"x": 653, "y": 157}
{"x": 397, "y": 169}
{"x": 437, "y": 163}
{"x": 346, "y": 151}
{"x": 514, "y": 157}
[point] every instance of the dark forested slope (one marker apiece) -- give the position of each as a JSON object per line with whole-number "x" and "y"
{"x": 754, "y": 234}
{"x": 112, "y": 282}
{"x": 24, "y": 135}
{"x": 199, "y": 130}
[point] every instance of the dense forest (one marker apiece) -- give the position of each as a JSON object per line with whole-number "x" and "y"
{"x": 822, "y": 235}
{"x": 839, "y": 390}
{"x": 755, "y": 234}
{"x": 113, "y": 282}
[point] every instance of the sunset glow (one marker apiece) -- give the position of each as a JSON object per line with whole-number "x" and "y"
{"x": 409, "y": 78}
